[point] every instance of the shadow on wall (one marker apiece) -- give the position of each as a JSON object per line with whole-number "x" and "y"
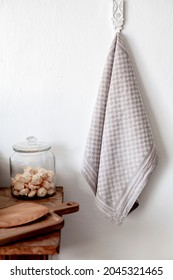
{"x": 76, "y": 189}
{"x": 81, "y": 228}
{"x": 4, "y": 172}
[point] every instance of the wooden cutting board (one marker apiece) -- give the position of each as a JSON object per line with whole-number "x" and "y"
{"x": 49, "y": 223}
{"x": 26, "y": 212}
{"x": 44, "y": 225}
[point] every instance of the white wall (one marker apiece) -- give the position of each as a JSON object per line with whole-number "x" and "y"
{"x": 52, "y": 54}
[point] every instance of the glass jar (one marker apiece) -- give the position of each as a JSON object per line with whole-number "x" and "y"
{"x": 32, "y": 169}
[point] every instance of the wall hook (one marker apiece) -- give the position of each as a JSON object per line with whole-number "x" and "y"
{"x": 118, "y": 14}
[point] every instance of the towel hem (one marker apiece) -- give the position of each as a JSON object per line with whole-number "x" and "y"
{"x": 126, "y": 203}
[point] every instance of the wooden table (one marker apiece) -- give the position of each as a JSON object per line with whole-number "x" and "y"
{"x": 33, "y": 248}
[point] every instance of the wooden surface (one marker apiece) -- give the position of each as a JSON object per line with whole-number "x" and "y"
{"x": 26, "y": 212}
{"x": 21, "y": 214}
{"x": 44, "y": 225}
{"x": 33, "y": 247}
{"x": 41, "y": 246}
{"x": 6, "y": 199}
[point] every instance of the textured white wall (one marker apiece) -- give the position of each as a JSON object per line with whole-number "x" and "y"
{"x": 52, "y": 54}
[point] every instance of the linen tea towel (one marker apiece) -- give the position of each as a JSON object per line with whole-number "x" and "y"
{"x": 120, "y": 152}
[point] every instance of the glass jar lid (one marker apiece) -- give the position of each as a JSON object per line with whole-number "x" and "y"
{"x": 31, "y": 146}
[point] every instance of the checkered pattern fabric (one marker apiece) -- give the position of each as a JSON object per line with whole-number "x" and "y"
{"x": 120, "y": 152}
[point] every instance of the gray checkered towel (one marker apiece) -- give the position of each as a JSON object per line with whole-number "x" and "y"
{"x": 120, "y": 151}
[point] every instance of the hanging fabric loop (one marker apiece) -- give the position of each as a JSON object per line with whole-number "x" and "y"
{"x": 118, "y": 15}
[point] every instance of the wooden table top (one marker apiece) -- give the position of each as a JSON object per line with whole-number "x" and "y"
{"x": 48, "y": 244}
